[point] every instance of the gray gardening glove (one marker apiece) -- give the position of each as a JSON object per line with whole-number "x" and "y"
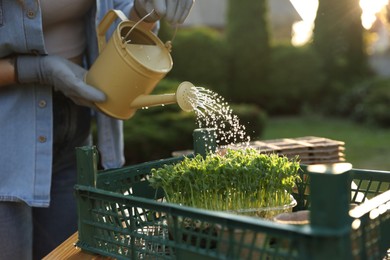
{"x": 63, "y": 75}
{"x": 174, "y": 11}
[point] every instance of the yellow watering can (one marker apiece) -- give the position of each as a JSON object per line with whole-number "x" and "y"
{"x": 129, "y": 67}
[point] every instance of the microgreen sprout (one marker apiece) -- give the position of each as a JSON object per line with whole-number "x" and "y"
{"x": 241, "y": 179}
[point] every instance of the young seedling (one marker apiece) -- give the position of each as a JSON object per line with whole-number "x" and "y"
{"x": 240, "y": 180}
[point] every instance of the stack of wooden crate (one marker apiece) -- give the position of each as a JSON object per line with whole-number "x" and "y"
{"x": 309, "y": 149}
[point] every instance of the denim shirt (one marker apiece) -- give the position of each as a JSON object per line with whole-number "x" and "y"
{"x": 26, "y": 111}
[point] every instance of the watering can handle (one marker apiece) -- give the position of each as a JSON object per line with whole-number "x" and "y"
{"x": 105, "y": 23}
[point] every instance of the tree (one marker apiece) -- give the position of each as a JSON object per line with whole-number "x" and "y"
{"x": 338, "y": 39}
{"x": 249, "y": 49}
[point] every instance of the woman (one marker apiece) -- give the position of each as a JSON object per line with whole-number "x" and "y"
{"x": 45, "y": 112}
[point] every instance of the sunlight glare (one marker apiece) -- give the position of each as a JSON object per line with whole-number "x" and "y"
{"x": 370, "y": 9}
{"x": 303, "y": 30}
{"x": 301, "y": 33}
{"x": 307, "y": 9}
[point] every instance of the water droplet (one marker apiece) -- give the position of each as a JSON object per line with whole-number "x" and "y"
{"x": 212, "y": 111}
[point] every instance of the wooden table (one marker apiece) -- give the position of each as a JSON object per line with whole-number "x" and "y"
{"x": 68, "y": 250}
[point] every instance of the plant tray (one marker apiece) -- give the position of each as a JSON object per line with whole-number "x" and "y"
{"x": 310, "y": 149}
{"x": 121, "y": 216}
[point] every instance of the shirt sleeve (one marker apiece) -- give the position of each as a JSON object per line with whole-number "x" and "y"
{"x": 110, "y": 141}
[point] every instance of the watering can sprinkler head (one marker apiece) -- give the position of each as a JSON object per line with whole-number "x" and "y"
{"x": 183, "y": 97}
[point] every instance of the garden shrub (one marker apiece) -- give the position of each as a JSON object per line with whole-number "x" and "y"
{"x": 248, "y": 41}
{"x": 368, "y": 102}
{"x": 252, "y": 117}
{"x": 199, "y": 56}
{"x": 296, "y": 77}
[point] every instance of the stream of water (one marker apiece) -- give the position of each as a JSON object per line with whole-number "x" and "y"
{"x": 212, "y": 111}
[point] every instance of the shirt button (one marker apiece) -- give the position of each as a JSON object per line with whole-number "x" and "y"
{"x": 30, "y": 14}
{"x": 42, "y": 139}
{"x": 42, "y": 103}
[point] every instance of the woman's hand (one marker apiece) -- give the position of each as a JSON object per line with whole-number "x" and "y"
{"x": 173, "y": 11}
{"x": 63, "y": 75}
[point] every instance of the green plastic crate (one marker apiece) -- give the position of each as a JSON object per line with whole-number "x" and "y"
{"x": 121, "y": 216}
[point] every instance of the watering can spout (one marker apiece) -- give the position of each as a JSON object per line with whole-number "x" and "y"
{"x": 153, "y": 100}
{"x": 183, "y": 97}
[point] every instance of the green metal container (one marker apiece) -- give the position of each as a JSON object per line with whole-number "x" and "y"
{"x": 121, "y": 216}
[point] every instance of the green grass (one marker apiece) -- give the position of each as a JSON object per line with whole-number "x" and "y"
{"x": 366, "y": 147}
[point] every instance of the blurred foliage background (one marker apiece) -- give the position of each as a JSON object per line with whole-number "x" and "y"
{"x": 263, "y": 79}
